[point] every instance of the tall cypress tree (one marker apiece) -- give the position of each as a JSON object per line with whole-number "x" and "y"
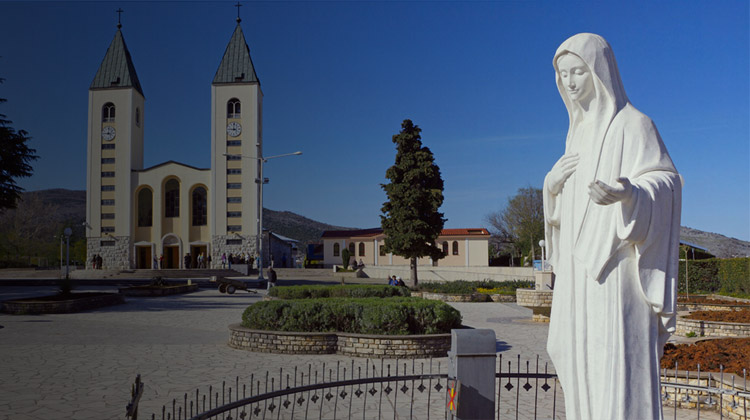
{"x": 15, "y": 158}
{"x": 411, "y": 220}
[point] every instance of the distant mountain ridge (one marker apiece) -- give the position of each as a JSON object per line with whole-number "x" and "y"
{"x": 70, "y": 207}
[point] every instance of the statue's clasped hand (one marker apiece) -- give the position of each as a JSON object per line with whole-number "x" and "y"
{"x": 604, "y": 194}
{"x": 560, "y": 173}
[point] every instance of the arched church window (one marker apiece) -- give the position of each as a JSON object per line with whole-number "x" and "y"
{"x": 455, "y": 247}
{"x": 336, "y": 250}
{"x": 145, "y": 207}
{"x": 351, "y": 249}
{"x": 233, "y": 108}
{"x": 445, "y": 247}
{"x": 108, "y": 112}
{"x": 172, "y": 198}
{"x": 199, "y": 207}
{"x": 361, "y": 249}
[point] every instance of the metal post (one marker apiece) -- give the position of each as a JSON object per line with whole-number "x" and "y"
{"x": 259, "y": 238}
{"x": 472, "y": 363}
{"x": 68, "y": 232}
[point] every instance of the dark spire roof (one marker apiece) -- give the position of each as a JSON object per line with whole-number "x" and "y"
{"x": 236, "y": 66}
{"x": 117, "y": 69}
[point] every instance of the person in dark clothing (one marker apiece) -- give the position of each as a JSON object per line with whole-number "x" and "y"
{"x": 272, "y": 276}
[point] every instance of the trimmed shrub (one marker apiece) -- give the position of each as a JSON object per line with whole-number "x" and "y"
{"x": 395, "y": 316}
{"x": 730, "y": 276}
{"x": 348, "y": 290}
{"x": 464, "y": 287}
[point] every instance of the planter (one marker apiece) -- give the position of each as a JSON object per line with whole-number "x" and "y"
{"x": 56, "y": 304}
{"x": 357, "y": 345}
{"x": 539, "y": 301}
{"x": 147, "y": 291}
{"x": 711, "y": 328}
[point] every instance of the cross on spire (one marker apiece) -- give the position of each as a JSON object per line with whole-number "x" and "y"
{"x": 119, "y": 13}
{"x": 238, "y": 5}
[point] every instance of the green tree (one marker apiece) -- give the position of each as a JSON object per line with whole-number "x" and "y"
{"x": 15, "y": 156}
{"x": 520, "y": 225}
{"x": 411, "y": 220}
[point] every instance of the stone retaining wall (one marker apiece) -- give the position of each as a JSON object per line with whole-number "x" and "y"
{"x": 358, "y": 345}
{"x": 711, "y": 328}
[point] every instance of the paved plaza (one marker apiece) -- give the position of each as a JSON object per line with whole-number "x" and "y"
{"x": 81, "y": 366}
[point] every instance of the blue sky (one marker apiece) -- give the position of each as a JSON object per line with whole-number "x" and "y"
{"x": 339, "y": 77}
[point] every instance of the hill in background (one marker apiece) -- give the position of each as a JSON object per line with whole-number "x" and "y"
{"x": 60, "y": 206}
{"x": 42, "y": 214}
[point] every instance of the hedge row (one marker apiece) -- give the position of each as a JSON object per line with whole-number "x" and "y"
{"x": 395, "y": 316}
{"x": 464, "y": 287}
{"x": 350, "y": 291}
{"x": 713, "y": 275}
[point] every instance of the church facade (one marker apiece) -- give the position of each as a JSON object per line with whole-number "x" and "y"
{"x": 135, "y": 215}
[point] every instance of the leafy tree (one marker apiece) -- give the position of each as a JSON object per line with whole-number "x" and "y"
{"x": 15, "y": 157}
{"x": 520, "y": 225}
{"x": 411, "y": 220}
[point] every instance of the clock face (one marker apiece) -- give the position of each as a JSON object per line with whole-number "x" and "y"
{"x": 108, "y": 133}
{"x": 234, "y": 129}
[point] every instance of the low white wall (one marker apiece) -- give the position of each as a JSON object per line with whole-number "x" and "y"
{"x": 452, "y": 273}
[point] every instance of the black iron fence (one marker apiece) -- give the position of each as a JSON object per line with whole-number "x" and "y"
{"x": 417, "y": 389}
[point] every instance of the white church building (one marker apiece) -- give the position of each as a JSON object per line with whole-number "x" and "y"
{"x": 134, "y": 213}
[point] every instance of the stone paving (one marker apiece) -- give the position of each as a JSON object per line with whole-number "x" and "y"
{"x": 81, "y": 366}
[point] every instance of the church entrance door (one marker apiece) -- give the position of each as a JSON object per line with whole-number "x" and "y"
{"x": 171, "y": 256}
{"x": 143, "y": 257}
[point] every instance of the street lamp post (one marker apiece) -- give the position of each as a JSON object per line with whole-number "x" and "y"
{"x": 68, "y": 231}
{"x": 541, "y": 245}
{"x": 259, "y": 239}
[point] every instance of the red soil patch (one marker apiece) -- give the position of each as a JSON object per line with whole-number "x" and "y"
{"x": 742, "y": 316}
{"x": 732, "y": 353}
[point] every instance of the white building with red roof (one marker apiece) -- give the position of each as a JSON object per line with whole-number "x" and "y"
{"x": 461, "y": 247}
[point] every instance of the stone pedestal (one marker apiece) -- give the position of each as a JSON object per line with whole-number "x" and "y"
{"x": 544, "y": 280}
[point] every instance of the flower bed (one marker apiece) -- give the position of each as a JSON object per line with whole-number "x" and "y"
{"x": 351, "y": 291}
{"x": 357, "y": 345}
{"x": 739, "y": 316}
{"x": 463, "y": 287}
{"x": 61, "y": 303}
{"x": 731, "y": 353}
{"x": 707, "y": 324}
{"x": 393, "y": 316}
{"x": 711, "y": 303}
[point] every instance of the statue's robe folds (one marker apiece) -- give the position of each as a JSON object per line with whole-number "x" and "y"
{"x": 615, "y": 271}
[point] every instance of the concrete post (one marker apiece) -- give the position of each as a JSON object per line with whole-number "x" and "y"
{"x": 472, "y": 362}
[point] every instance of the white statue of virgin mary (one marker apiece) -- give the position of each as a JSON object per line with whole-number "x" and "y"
{"x": 612, "y": 218}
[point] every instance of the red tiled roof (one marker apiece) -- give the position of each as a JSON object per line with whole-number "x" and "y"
{"x": 379, "y": 231}
{"x": 465, "y": 232}
{"x": 351, "y": 233}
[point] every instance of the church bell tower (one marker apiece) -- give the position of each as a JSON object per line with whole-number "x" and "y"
{"x": 236, "y": 143}
{"x": 114, "y": 148}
